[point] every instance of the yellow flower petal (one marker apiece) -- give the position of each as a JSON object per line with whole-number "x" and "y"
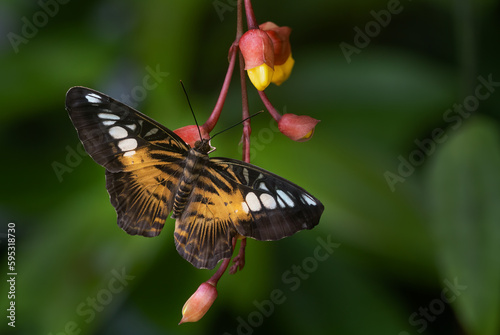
{"x": 261, "y": 76}
{"x": 283, "y": 71}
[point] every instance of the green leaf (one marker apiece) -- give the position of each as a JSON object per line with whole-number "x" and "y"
{"x": 465, "y": 220}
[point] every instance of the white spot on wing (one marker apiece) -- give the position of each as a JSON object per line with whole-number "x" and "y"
{"x": 131, "y": 126}
{"x": 151, "y": 132}
{"x": 245, "y": 207}
{"x": 245, "y": 174}
{"x": 127, "y": 144}
{"x": 93, "y": 98}
{"x": 129, "y": 153}
{"x": 108, "y": 123}
{"x": 281, "y": 203}
{"x": 253, "y": 202}
{"x": 262, "y": 186}
{"x": 308, "y": 199}
{"x": 107, "y": 116}
{"x": 286, "y": 198}
{"x": 268, "y": 201}
{"x": 117, "y": 132}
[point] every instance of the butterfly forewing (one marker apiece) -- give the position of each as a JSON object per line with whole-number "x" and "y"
{"x": 143, "y": 159}
{"x": 111, "y": 131}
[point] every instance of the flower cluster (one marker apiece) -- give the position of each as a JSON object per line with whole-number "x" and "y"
{"x": 267, "y": 53}
{"x": 267, "y": 58}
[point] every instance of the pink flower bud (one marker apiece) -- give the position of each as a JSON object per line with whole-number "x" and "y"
{"x": 199, "y": 303}
{"x": 299, "y": 128}
{"x": 190, "y": 134}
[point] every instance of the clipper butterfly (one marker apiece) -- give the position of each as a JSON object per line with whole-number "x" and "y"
{"x": 151, "y": 172}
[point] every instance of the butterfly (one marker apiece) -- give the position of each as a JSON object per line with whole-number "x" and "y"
{"x": 151, "y": 172}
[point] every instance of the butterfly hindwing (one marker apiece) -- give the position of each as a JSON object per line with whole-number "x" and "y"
{"x": 204, "y": 232}
{"x": 142, "y": 199}
{"x": 143, "y": 159}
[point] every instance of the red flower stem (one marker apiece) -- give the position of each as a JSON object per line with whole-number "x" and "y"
{"x": 251, "y": 21}
{"x": 242, "y": 247}
{"x": 247, "y": 129}
{"x": 239, "y": 260}
{"x": 274, "y": 113}
{"x": 239, "y": 21}
{"x": 220, "y": 271}
{"x": 214, "y": 117}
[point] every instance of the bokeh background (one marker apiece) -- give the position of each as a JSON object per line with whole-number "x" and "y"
{"x": 409, "y": 179}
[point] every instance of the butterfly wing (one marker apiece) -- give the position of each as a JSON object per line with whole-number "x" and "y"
{"x": 274, "y": 207}
{"x": 204, "y": 232}
{"x": 143, "y": 159}
{"x": 233, "y": 198}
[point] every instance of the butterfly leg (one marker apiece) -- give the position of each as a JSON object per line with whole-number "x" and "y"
{"x": 239, "y": 260}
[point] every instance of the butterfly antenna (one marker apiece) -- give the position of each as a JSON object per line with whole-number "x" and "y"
{"x": 191, "y": 108}
{"x": 234, "y": 125}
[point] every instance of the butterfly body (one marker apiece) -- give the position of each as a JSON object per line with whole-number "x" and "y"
{"x": 195, "y": 161}
{"x": 151, "y": 172}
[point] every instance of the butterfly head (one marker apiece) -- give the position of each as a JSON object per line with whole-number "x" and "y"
{"x": 204, "y": 146}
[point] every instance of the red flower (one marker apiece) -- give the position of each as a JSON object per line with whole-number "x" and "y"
{"x": 280, "y": 36}
{"x": 190, "y": 134}
{"x": 258, "y": 51}
{"x": 299, "y": 128}
{"x": 283, "y": 61}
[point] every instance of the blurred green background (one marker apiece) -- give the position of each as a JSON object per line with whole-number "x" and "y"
{"x": 406, "y": 161}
